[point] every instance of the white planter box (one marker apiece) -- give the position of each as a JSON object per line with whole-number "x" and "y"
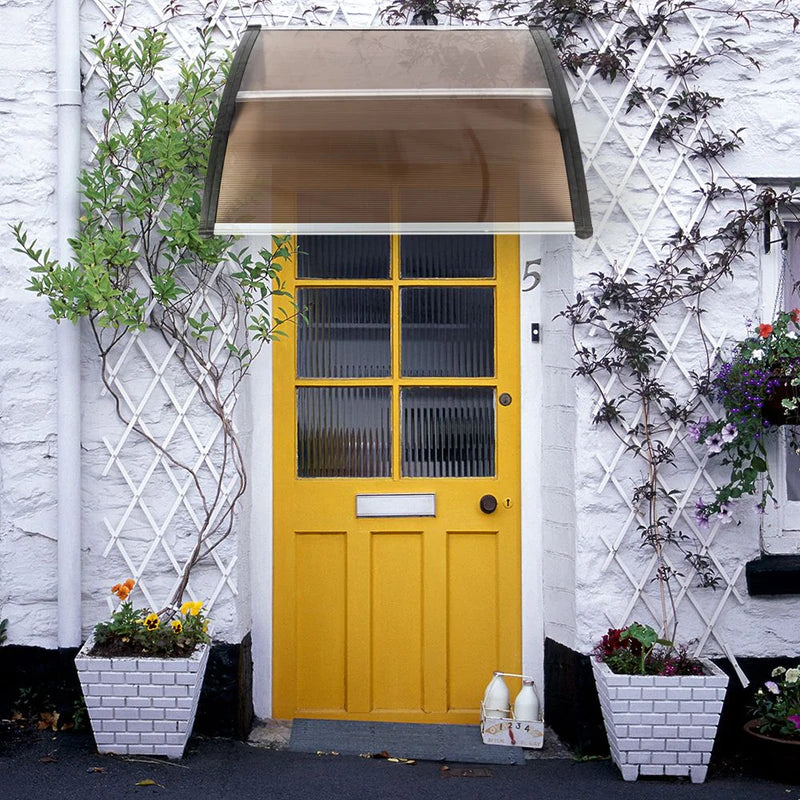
{"x": 143, "y": 706}
{"x": 661, "y": 725}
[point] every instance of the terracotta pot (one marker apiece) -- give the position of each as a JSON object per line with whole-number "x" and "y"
{"x": 775, "y": 759}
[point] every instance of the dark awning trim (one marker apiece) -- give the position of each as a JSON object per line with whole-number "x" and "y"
{"x": 562, "y": 110}
{"x": 578, "y": 195}
{"x": 222, "y": 129}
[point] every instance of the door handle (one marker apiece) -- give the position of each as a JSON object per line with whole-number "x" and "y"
{"x": 488, "y": 503}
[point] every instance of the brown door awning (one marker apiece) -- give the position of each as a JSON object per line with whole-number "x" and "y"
{"x": 395, "y": 130}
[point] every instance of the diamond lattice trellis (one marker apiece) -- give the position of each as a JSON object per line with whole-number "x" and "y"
{"x": 650, "y": 191}
{"x": 634, "y": 187}
{"x": 150, "y": 535}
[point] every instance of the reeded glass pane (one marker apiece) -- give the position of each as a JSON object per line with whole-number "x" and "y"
{"x": 448, "y": 432}
{"x": 343, "y": 257}
{"x": 447, "y": 332}
{"x": 446, "y": 257}
{"x": 347, "y": 334}
{"x": 344, "y": 432}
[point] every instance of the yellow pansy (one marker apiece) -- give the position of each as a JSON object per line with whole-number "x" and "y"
{"x": 192, "y": 608}
{"x": 151, "y": 622}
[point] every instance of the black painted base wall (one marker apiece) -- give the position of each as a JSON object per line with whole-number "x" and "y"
{"x": 34, "y": 680}
{"x": 226, "y": 702}
{"x": 572, "y": 709}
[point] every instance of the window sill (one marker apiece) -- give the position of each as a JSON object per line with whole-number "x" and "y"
{"x": 770, "y": 575}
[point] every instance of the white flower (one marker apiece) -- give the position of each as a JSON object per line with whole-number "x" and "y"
{"x": 792, "y": 675}
{"x": 729, "y": 433}
{"x": 791, "y": 335}
{"x": 757, "y": 354}
{"x": 724, "y": 515}
{"x": 714, "y": 444}
{"x": 778, "y": 671}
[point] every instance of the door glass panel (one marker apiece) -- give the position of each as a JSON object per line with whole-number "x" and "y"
{"x": 347, "y": 334}
{"x": 344, "y": 257}
{"x": 447, "y": 332}
{"x": 448, "y": 432}
{"x": 447, "y": 257}
{"x": 344, "y": 432}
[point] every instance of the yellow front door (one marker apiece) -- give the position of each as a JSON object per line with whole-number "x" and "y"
{"x": 396, "y": 410}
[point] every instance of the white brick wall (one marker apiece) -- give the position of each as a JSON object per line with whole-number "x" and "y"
{"x": 27, "y": 366}
{"x": 604, "y": 589}
{"x": 141, "y": 705}
{"x": 558, "y": 444}
{"x": 582, "y": 594}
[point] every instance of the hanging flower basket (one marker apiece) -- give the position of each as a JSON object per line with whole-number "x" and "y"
{"x": 762, "y": 373}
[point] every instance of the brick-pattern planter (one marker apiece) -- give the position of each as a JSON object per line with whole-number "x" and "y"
{"x": 659, "y": 725}
{"x": 142, "y": 706}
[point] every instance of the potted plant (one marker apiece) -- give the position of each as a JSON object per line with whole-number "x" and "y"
{"x": 143, "y": 276}
{"x": 773, "y": 734}
{"x": 758, "y": 390}
{"x": 660, "y": 707}
{"x": 141, "y": 673}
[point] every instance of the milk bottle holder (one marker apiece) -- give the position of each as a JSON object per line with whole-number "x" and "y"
{"x": 504, "y": 728}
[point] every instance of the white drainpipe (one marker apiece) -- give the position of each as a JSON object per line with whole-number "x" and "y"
{"x": 68, "y": 104}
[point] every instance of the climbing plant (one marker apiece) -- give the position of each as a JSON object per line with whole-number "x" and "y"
{"x": 141, "y": 268}
{"x": 614, "y": 318}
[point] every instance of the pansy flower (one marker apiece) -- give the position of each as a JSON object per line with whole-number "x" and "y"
{"x": 151, "y": 621}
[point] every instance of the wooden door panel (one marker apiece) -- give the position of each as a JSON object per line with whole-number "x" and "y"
{"x": 320, "y": 614}
{"x": 472, "y": 615}
{"x": 397, "y": 618}
{"x": 397, "y": 613}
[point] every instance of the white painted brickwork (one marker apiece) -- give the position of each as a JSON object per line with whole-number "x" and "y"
{"x": 661, "y": 725}
{"x": 28, "y": 337}
{"x": 143, "y": 706}
{"x": 640, "y": 193}
{"x": 595, "y": 574}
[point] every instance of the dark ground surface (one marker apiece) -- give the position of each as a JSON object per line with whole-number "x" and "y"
{"x": 66, "y": 765}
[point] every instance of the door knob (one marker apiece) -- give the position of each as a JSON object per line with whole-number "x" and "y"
{"x": 488, "y": 503}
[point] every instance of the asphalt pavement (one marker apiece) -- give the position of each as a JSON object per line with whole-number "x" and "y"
{"x": 66, "y": 765}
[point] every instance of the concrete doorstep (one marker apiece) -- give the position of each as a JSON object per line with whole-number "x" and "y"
{"x": 275, "y": 734}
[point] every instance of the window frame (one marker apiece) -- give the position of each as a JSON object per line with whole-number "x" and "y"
{"x": 779, "y": 535}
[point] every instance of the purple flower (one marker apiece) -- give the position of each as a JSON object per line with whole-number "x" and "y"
{"x": 729, "y": 433}
{"x": 714, "y": 443}
{"x": 701, "y": 514}
{"x": 773, "y": 687}
{"x": 724, "y": 514}
{"x": 696, "y": 429}
{"x": 796, "y": 719}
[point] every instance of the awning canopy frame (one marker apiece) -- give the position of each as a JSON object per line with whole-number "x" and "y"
{"x": 493, "y": 107}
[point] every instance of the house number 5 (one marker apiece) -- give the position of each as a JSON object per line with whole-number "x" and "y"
{"x": 531, "y": 274}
